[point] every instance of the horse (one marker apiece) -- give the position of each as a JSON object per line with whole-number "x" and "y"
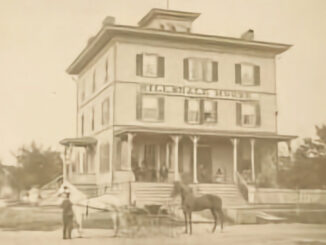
{"x": 82, "y": 206}
{"x": 190, "y": 203}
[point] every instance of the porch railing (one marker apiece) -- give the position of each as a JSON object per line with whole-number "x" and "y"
{"x": 242, "y": 185}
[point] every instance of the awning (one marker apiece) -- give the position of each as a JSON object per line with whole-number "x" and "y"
{"x": 82, "y": 141}
{"x": 200, "y": 132}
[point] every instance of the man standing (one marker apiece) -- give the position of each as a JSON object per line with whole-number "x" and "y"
{"x": 67, "y": 215}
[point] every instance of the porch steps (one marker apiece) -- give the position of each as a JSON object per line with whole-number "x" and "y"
{"x": 229, "y": 193}
{"x": 159, "y": 193}
{"x": 151, "y": 193}
{"x": 90, "y": 190}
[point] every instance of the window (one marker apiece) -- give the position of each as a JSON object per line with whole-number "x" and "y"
{"x": 105, "y": 111}
{"x": 94, "y": 81}
{"x": 210, "y": 111}
{"x": 106, "y": 79}
{"x": 104, "y": 157}
{"x": 247, "y": 74}
{"x": 101, "y": 75}
{"x": 196, "y": 69}
{"x": 248, "y": 114}
{"x": 149, "y": 65}
{"x": 200, "y": 111}
{"x": 93, "y": 119}
{"x": 82, "y": 90}
{"x": 192, "y": 111}
{"x": 150, "y": 108}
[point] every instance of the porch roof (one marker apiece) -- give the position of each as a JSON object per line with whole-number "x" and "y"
{"x": 201, "y": 132}
{"x": 81, "y": 141}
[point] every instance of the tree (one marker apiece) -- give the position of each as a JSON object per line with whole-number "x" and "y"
{"x": 313, "y": 148}
{"x": 309, "y": 168}
{"x": 36, "y": 166}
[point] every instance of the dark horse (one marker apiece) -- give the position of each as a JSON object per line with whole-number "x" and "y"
{"x": 190, "y": 204}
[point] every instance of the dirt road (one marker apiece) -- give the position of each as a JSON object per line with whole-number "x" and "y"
{"x": 298, "y": 234}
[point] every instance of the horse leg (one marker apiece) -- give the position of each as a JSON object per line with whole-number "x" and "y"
{"x": 186, "y": 221}
{"x": 190, "y": 222}
{"x": 215, "y": 219}
{"x": 220, "y": 213}
{"x": 116, "y": 222}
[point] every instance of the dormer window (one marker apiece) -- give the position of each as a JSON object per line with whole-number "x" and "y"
{"x": 149, "y": 65}
{"x": 173, "y": 28}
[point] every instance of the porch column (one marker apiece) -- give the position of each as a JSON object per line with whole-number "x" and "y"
{"x": 195, "y": 143}
{"x": 69, "y": 161}
{"x": 158, "y": 161}
{"x": 140, "y": 155}
{"x": 235, "y": 143}
{"x": 252, "y": 144}
{"x": 64, "y": 162}
{"x": 176, "y": 157}
{"x": 130, "y": 137}
{"x": 167, "y": 156}
{"x": 289, "y": 149}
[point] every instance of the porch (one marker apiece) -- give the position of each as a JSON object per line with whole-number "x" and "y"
{"x": 194, "y": 156}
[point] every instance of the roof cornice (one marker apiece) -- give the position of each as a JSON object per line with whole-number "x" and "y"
{"x": 108, "y": 32}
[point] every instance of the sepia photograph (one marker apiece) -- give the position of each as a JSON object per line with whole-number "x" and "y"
{"x": 134, "y": 122}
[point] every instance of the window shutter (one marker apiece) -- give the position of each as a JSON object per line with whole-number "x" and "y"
{"x": 258, "y": 115}
{"x": 160, "y": 66}
{"x": 82, "y": 125}
{"x": 201, "y": 111}
{"x": 215, "y": 111}
{"x": 161, "y": 108}
{"x": 257, "y": 75}
{"x": 139, "y": 65}
{"x": 107, "y": 157}
{"x": 238, "y": 73}
{"x": 101, "y": 158}
{"x": 186, "y": 110}
{"x": 215, "y": 71}
{"x": 238, "y": 114}
{"x": 186, "y": 69}
{"x": 139, "y": 107}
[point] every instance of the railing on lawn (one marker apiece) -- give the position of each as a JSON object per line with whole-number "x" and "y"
{"x": 242, "y": 185}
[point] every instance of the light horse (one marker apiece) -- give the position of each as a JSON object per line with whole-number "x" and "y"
{"x": 190, "y": 204}
{"x": 83, "y": 206}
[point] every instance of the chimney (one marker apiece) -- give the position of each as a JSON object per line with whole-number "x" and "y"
{"x": 248, "y": 35}
{"x": 109, "y": 20}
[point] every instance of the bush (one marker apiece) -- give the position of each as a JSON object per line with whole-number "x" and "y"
{"x": 305, "y": 174}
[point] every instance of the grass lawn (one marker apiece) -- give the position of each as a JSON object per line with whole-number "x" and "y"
{"x": 30, "y": 218}
{"x": 24, "y": 217}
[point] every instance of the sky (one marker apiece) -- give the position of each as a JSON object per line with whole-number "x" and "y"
{"x": 40, "y": 38}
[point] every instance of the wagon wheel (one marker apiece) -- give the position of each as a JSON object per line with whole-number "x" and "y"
{"x": 137, "y": 220}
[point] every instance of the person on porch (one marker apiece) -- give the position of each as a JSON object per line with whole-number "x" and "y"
{"x": 135, "y": 169}
{"x": 219, "y": 176}
{"x": 164, "y": 173}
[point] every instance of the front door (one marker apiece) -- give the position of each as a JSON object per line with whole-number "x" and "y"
{"x": 204, "y": 164}
{"x": 149, "y": 164}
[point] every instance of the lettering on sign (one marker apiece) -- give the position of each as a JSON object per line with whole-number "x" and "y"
{"x": 199, "y": 92}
